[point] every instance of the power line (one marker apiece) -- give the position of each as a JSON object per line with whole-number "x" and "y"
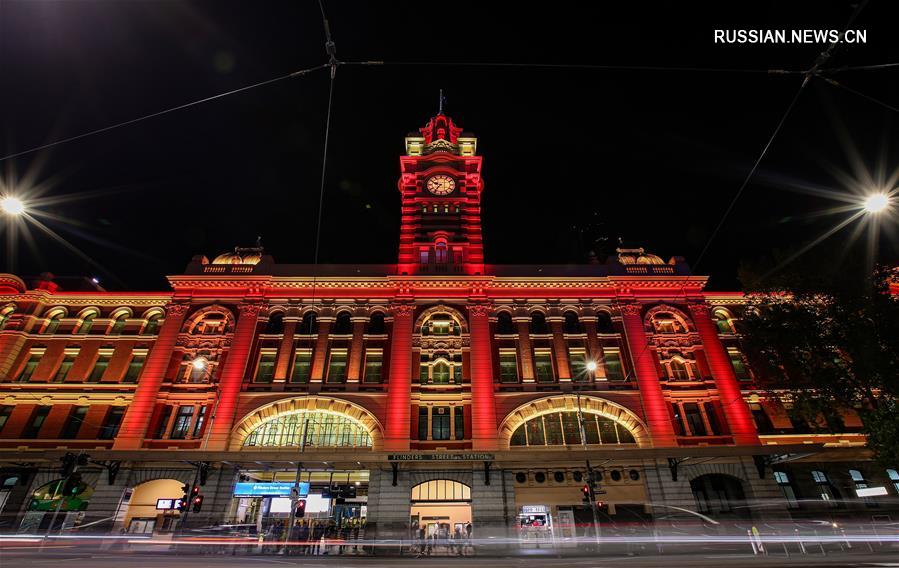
{"x": 860, "y": 94}
{"x": 162, "y": 112}
{"x": 585, "y": 66}
{"x": 863, "y": 67}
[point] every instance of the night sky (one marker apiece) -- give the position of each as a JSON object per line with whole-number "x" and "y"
{"x": 570, "y": 155}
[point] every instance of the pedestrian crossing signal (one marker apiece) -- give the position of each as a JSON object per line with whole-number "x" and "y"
{"x": 301, "y": 508}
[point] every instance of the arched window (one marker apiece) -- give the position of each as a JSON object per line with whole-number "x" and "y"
{"x": 664, "y": 322}
{"x": 441, "y": 491}
{"x": 604, "y": 323}
{"x": 572, "y": 323}
{"x": 212, "y": 323}
{"x": 118, "y": 324}
{"x": 441, "y": 324}
{"x": 86, "y": 324}
{"x": 538, "y": 323}
{"x": 52, "y": 323}
{"x": 723, "y": 321}
{"x": 321, "y": 429}
{"x": 440, "y": 373}
{"x": 562, "y": 429}
{"x": 275, "y": 324}
{"x": 679, "y": 370}
{"x": 309, "y": 325}
{"x": 440, "y": 253}
{"x": 504, "y": 323}
{"x": 376, "y": 324}
{"x": 5, "y": 314}
{"x": 343, "y": 325}
{"x": 151, "y": 327}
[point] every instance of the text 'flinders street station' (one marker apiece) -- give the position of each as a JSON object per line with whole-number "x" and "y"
{"x": 434, "y": 392}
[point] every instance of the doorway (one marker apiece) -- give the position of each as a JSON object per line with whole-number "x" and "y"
{"x": 441, "y": 510}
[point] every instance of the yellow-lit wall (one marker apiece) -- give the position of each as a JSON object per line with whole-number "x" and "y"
{"x": 143, "y": 500}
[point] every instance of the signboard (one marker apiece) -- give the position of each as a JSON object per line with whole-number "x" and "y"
{"x": 166, "y": 504}
{"x": 871, "y": 491}
{"x": 533, "y": 509}
{"x": 440, "y": 457}
{"x": 269, "y": 489}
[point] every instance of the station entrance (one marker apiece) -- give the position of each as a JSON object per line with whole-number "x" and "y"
{"x": 441, "y": 510}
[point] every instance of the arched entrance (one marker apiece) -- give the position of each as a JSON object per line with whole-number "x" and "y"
{"x": 720, "y": 496}
{"x": 441, "y": 509}
{"x": 142, "y": 516}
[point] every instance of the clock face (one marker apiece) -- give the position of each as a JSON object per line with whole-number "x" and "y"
{"x": 441, "y": 184}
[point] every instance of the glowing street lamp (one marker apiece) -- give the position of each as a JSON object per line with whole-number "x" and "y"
{"x": 199, "y": 364}
{"x": 12, "y": 205}
{"x": 591, "y": 366}
{"x": 876, "y": 203}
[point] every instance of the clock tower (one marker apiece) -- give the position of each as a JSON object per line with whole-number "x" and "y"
{"x": 440, "y": 186}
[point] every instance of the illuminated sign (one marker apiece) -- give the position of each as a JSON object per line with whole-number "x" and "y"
{"x": 269, "y": 489}
{"x": 533, "y": 509}
{"x": 871, "y": 491}
{"x": 166, "y": 504}
{"x": 440, "y": 457}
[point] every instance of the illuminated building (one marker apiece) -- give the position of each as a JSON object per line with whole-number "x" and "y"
{"x": 440, "y": 387}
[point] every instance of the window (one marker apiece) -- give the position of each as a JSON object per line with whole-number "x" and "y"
{"x": 68, "y": 361}
{"x": 578, "y": 358}
{"x": 343, "y": 325}
{"x": 423, "y": 256}
{"x": 762, "y": 422}
{"x": 265, "y": 369}
{"x": 34, "y": 357}
{"x": 5, "y": 411}
{"x": 561, "y": 428}
{"x": 441, "y": 490}
{"x": 440, "y": 373}
{"x": 309, "y": 325}
{"x": 275, "y": 324}
{"x": 163, "y": 425}
{"x": 440, "y": 423}
{"x": 152, "y": 325}
{"x": 193, "y": 369}
{"x": 198, "y": 426}
{"x": 604, "y": 323}
{"x": 723, "y": 321}
{"x": 422, "y": 422}
{"x": 111, "y": 423}
{"x": 504, "y": 324}
{"x": 211, "y": 323}
{"x": 37, "y": 420}
{"x": 182, "y": 422}
{"x": 678, "y": 370}
{"x": 825, "y": 489}
{"x": 118, "y": 324}
{"x": 302, "y": 366}
{"x": 322, "y": 429}
{"x": 663, "y": 322}
{"x": 440, "y": 256}
{"x": 73, "y": 423}
{"x": 52, "y": 324}
{"x": 694, "y": 419}
{"x": 572, "y": 323}
{"x": 712, "y": 416}
{"x": 538, "y": 324}
{"x": 100, "y": 366}
{"x": 135, "y": 366}
{"x": 459, "y": 425}
{"x": 783, "y": 480}
{"x": 612, "y": 358}
{"x": 678, "y": 420}
{"x": 373, "y": 362}
{"x": 508, "y": 366}
{"x": 337, "y": 366}
{"x": 376, "y": 324}
{"x": 736, "y": 359}
{"x": 86, "y": 324}
{"x": 543, "y": 365}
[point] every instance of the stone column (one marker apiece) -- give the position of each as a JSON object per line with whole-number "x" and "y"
{"x": 285, "y": 351}
{"x": 483, "y": 404}
{"x": 320, "y": 355}
{"x": 137, "y": 418}
{"x": 400, "y": 381}
{"x": 232, "y": 376}
{"x": 654, "y": 407}
{"x": 736, "y": 410}
{"x": 560, "y": 348}
{"x": 525, "y": 353}
{"x": 354, "y": 366}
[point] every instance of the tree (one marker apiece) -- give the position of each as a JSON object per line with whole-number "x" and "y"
{"x": 827, "y": 344}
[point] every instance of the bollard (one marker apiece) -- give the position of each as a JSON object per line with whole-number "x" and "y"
{"x": 801, "y": 544}
{"x": 751, "y": 541}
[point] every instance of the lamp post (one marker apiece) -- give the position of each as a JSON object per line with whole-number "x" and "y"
{"x": 591, "y": 479}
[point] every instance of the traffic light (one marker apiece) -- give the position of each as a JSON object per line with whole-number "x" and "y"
{"x": 68, "y": 464}
{"x": 204, "y": 472}
{"x": 198, "y": 503}
{"x": 301, "y": 508}
{"x": 182, "y": 505}
{"x": 588, "y": 499}
{"x": 185, "y": 497}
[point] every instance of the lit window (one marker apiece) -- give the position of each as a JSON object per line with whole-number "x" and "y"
{"x": 561, "y": 428}
{"x": 34, "y": 358}
{"x": 612, "y": 360}
{"x": 543, "y": 366}
{"x": 373, "y": 363}
{"x": 783, "y": 480}
{"x": 322, "y": 429}
{"x": 825, "y": 489}
{"x": 68, "y": 361}
{"x": 736, "y": 359}
{"x": 198, "y": 427}
{"x": 52, "y": 324}
{"x": 894, "y": 477}
{"x": 694, "y": 419}
{"x": 337, "y": 366}
{"x": 135, "y": 366}
{"x": 678, "y": 370}
{"x": 302, "y": 366}
{"x": 440, "y": 423}
{"x": 118, "y": 324}
{"x": 265, "y": 370}
{"x": 508, "y": 366}
{"x": 440, "y": 373}
{"x": 578, "y": 359}
{"x": 423, "y": 256}
{"x": 5, "y": 315}
{"x": 182, "y": 422}
{"x": 152, "y": 325}
{"x": 100, "y": 366}
{"x": 86, "y": 324}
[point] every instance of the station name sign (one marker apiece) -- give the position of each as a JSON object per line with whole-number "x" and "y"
{"x": 272, "y": 489}
{"x": 440, "y": 457}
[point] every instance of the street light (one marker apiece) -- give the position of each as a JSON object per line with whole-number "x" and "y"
{"x": 199, "y": 363}
{"x": 591, "y": 366}
{"x": 12, "y": 205}
{"x": 876, "y": 202}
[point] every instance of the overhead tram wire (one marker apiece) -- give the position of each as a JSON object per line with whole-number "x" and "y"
{"x": 583, "y": 66}
{"x": 858, "y": 93}
{"x": 299, "y": 73}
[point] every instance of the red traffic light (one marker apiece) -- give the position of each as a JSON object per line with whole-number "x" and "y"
{"x": 196, "y": 490}
{"x": 301, "y": 508}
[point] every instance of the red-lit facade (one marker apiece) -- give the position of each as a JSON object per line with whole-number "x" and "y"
{"x": 437, "y": 367}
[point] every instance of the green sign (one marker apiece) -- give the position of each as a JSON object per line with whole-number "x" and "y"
{"x": 440, "y": 457}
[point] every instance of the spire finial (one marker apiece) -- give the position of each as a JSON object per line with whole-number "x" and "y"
{"x": 442, "y": 102}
